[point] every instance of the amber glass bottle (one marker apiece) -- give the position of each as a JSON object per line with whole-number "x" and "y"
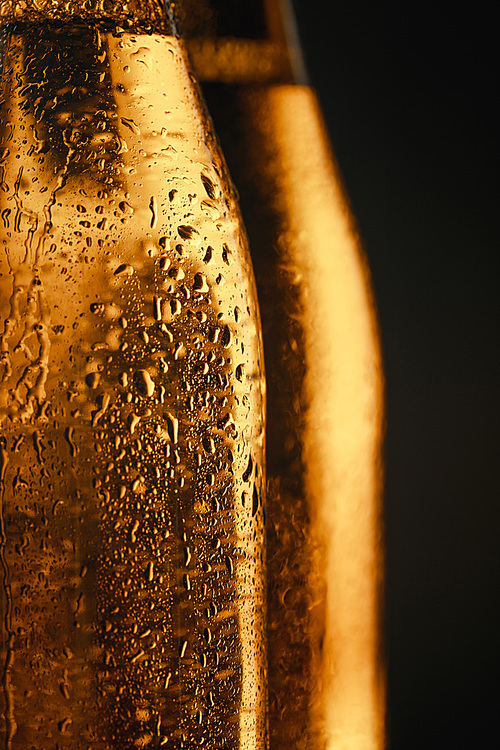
{"x": 131, "y": 397}
{"x": 324, "y": 377}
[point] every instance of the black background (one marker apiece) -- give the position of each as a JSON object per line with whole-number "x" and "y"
{"x": 409, "y": 93}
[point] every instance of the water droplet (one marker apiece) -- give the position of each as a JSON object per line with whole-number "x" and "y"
{"x": 142, "y": 56}
{"x": 93, "y": 379}
{"x": 157, "y": 304}
{"x": 255, "y": 501}
{"x": 175, "y": 306}
{"x": 124, "y": 269}
{"x": 248, "y": 471}
{"x": 226, "y": 254}
{"x": 208, "y": 444}
{"x": 133, "y": 421}
{"x": 69, "y": 434}
{"x": 131, "y": 125}
{"x": 125, "y": 207}
{"x": 153, "y": 207}
{"x": 186, "y": 232}
{"x": 63, "y": 687}
{"x": 144, "y": 382}
{"x": 226, "y": 337}
{"x": 209, "y": 186}
{"x": 64, "y": 724}
{"x": 133, "y": 533}
{"x": 200, "y": 283}
{"x": 172, "y": 427}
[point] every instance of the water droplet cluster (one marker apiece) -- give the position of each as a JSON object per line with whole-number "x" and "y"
{"x": 131, "y": 407}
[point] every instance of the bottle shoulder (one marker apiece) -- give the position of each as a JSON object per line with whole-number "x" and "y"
{"x": 137, "y": 15}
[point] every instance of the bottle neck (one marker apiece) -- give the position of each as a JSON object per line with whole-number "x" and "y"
{"x": 134, "y": 15}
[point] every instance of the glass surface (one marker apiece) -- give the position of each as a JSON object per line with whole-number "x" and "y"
{"x": 325, "y": 386}
{"x": 131, "y": 405}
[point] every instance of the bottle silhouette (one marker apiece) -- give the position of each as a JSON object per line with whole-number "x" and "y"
{"x": 324, "y": 378}
{"x": 131, "y": 397}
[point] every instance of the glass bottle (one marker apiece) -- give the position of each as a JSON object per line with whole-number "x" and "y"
{"x": 131, "y": 396}
{"x": 324, "y": 378}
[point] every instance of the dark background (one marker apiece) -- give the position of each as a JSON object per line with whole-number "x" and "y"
{"x": 409, "y": 92}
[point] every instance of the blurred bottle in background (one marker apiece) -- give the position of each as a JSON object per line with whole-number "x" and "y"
{"x": 324, "y": 378}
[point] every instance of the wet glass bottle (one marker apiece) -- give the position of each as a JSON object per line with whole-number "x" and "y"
{"x": 324, "y": 374}
{"x": 131, "y": 397}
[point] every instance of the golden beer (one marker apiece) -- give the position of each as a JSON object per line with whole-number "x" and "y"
{"x": 131, "y": 398}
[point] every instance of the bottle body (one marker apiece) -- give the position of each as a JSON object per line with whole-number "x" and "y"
{"x": 324, "y": 380}
{"x": 131, "y": 406}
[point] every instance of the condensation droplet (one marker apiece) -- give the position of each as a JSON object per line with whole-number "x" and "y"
{"x": 144, "y": 382}
{"x": 153, "y": 207}
{"x": 172, "y": 427}
{"x": 226, "y": 337}
{"x": 93, "y": 379}
{"x": 133, "y": 533}
{"x": 200, "y": 283}
{"x": 131, "y": 125}
{"x": 255, "y": 501}
{"x": 133, "y": 421}
{"x": 209, "y": 186}
{"x": 186, "y": 232}
{"x": 125, "y": 269}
